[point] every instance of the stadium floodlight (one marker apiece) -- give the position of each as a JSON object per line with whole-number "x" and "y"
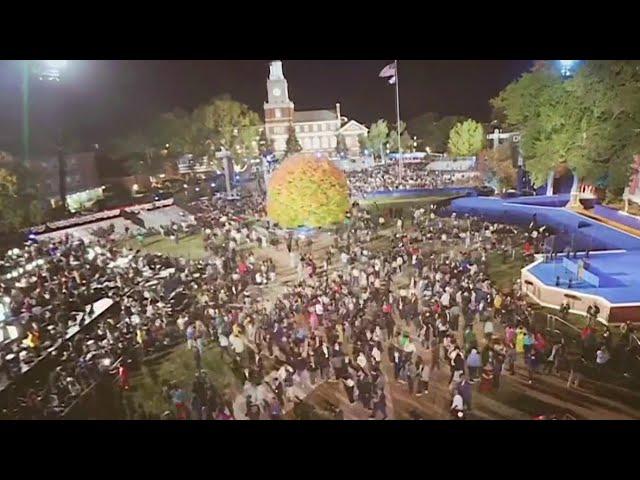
{"x": 566, "y": 67}
{"x": 56, "y": 63}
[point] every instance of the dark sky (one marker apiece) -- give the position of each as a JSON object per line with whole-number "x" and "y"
{"x": 102, "y": 99}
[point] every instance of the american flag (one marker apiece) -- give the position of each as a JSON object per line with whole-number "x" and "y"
{"x": 389, "y": 71}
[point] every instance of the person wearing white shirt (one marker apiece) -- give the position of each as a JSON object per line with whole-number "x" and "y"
{"x": 355, "y": 277}
{"x": 376, "y": 354}
{"x": 488, "y": 329}
{"x": 457, "y": 406}
{"x": 445, "y": 299}
{"x": 237, "y": 343}
{"x": 361, "y": 360}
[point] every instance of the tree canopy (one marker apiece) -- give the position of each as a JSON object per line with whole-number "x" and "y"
{"x": 433, "y": 131}
{"x": 221, "y": 123}
{"x": 500, "y": 169}
{"x": 20, "y": 197}
{"x": 591, "y": 122}
{"x": 378, "y": 137}
{"x": 405, "y": 139}
{"x": 466, "y": 138}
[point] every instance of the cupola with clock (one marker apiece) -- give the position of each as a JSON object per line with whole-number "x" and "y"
{"x": 278, "y": 106}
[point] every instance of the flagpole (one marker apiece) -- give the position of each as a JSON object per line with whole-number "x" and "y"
{"x": 398, "y": 124}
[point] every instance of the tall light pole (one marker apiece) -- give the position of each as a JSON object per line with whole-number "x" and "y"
{"x": 49, "y": 71}
{"x": 26, "y": 66}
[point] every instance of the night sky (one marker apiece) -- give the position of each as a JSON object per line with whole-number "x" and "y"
{"x": 102, "y": 99}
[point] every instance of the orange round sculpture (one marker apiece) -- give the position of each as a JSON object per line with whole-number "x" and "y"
{"x": 307, "y": 190}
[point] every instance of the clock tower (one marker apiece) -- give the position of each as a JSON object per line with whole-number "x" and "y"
{"x": 278, "y": 107}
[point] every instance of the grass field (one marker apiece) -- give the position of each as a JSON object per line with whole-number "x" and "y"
{"x": 190, "y": 247}
{"x": 177, "y": 365}
{"x": 504, "y": 273}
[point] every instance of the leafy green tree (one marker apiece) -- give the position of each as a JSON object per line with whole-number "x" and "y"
{"x": 21, "y": 198}
{"x": 8, "y": 183}
{"x": 466, "y": 138}
{"x": 292, "y": 145}
{"x": 433, "y": 131}
{"x": 341, "y": 145}
{"x": 377, "y": 138}
{"x": 405, "y": 139}
{"x": 226, "y": 123}
{"x": 589, "y": 122}
{"x": 222, "y": 123}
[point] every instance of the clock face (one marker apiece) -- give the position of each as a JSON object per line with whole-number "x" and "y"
{"x": 276, "y": 92}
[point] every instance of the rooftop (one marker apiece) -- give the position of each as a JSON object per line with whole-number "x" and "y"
{"x": 314, "y": 116}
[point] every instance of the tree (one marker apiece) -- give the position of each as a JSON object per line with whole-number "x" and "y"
{"x": 589, "y": 122}
{"x": 222, "y": 123}
{"x": 377, "y": 138}
{"x": 307, "y": 191}
{"x": 141, "y": 157}
{"x": 226, "y": 123}
{"x": 21, "y": 200}
{"x": 8, "y": 183}
{"x": 292, "y": 145}
{"x": 466, "y": 139}
{"x": 405, "y": 139}
{"x": 433, "y": 131}
{"x": 341, "y": 145}
{"x": 500, "y": 167}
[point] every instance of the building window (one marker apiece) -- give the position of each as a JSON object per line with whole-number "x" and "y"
{"x": 323, "y": 127}
{"x": 307, "y": 143}
{"x": 306, "y": 128}
{"x": 278, "y": 113}
{"x": 316, "y": 142}
{"x": 297, "y": 128}
{"x": 324, "y": 141}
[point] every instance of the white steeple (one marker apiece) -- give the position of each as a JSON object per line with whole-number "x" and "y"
{"x": 275, "y": 70}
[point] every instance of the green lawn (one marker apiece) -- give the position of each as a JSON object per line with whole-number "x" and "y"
{"x": 178, "y": 365}
{"x": 191, "y": 247}
{"x": 504, "y": 272}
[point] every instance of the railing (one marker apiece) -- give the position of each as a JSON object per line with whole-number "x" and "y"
{"x": 551, "y": 323}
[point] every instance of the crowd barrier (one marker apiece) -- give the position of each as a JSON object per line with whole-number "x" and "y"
{"x": 96, "y": 217}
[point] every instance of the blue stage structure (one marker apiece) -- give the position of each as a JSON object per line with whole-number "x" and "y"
{"x": 571, "y": 229}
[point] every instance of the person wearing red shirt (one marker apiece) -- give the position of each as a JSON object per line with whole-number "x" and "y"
{"x": 123, "y": 375}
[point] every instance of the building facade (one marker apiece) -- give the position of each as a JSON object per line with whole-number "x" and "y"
{"x": 316, "y": 130}
{"x": 82, "y": 181}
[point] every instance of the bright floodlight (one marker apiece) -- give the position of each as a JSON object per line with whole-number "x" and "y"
{"x": 57, "y": 64}
{"x": 567, "y": 63}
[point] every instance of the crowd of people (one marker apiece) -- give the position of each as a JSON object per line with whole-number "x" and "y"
{"x": 377, "y": 305}
{"x": 414, "y": 175}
